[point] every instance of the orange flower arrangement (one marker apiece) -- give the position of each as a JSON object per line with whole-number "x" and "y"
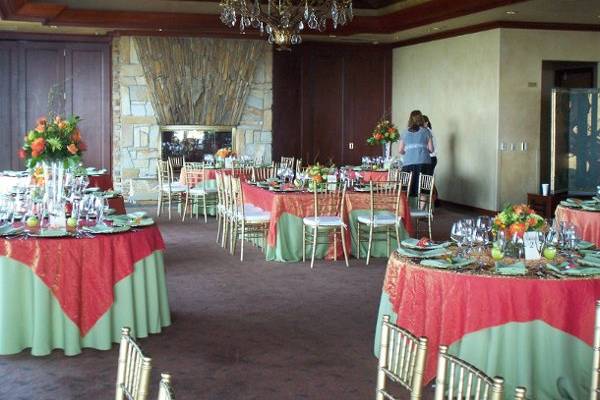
{"x": 517, "y": 219}
{"x": 384, "y": 132}
{"x": 58, "y": 139}
{"x": 224, "y": 152}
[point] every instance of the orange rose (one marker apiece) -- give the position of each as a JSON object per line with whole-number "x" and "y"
{"x": 76, "y": 136}
{"x": 62, "y": 125}
{"x": 41, "y": 121}
{"x": 318, "y": 178}
{"x": 390, "y": 130}
{"x": 72, "y": 148}
{"x": 40, "y": 128}
{"x": 38, "y": 146}
{"x": 518, "y": 228}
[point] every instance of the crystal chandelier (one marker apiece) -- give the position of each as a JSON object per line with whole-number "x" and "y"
{"x": 283, "y": 20}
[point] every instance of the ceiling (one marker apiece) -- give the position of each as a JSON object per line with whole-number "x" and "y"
{"x": 376, "y": 21}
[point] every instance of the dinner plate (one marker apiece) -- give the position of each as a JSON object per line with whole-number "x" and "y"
{"x": 362, "y": 189}
{"x": 9, "y": 230}
{"x": 447, "y": 263}
{"x": 105, "y": 229}
{"x": 49, "y": 233}
{"x": 411, "y": 243}
{"x": 91, "y": 190}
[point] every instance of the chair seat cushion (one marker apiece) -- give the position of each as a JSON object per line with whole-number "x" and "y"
{"x": 174, "y": 188}
{"x": 257, "y": 216}
{"x": 418, "y": 213}
{"x": 198, "y": 192}
{"x": 323, "y": 221}
{"x": 207, "y": 188}
{"x": 384, "y": 218}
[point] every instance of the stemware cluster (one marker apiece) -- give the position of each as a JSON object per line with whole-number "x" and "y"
{"x": 472, "y": 234}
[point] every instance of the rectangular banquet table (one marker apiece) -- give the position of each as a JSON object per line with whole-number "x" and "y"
{"x": 536, "y": 333}
{"x": 69, "y": 293}
{"x": 284, "y": 240}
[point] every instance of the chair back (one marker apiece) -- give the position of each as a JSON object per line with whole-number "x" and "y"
{"x": 393, "y": 174}
{"x": 165, "y": 174}
{"x": 329, "y": 200}
{"x": 195, "y": 174}
{"x": 242, "y": 172}
{"x": 287, "y": 162}
{"x": 595, "y": 388}
{"x": 385, "y": 196}
{"x": 260, "y": 174}
{"x": 406, "y": 180}
{"x": 457, "y": 379}
{"x": 176, "y": 162}
{"x": 228, "y": 198}
{"x": 298, "y": 166}
{"x": 133, "y": 372}
{"x": 425, "y": 192}
{"x": 401, "y": 359}
{"x": 220, "y": 191}
{"x": 165, "y": 390}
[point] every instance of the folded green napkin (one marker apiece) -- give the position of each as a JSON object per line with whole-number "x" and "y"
{"x": 594, "y": 253}
{"x": 590, "y": 261}
{"x": 422, "y": 254}
{"x": 447, "y": 263}
{"x": 517, "y": 268}
{"x": 582, "y": 244}
{"x": 579, "y": 271}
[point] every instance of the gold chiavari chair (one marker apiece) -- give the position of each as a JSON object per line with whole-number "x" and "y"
{"x": 221, "y": 211}
{"x": 177, "y": 163}
{"x": 401, "y": 360}
{"x": 298, "y": 166}
{"x": 249, "y": 222}
{"x": 260, "y": 174}
{"x": 199, "y": 193}
{"x": 393, "y": 174}
{"x": 384, "y": 219}
{"x": 287, "y": 162}
{"x": 520, "y": 393}
{"x": 245, "y": 173}
{"x": 457, "y": 379}
{"x": 327, "y": 219}
{"x": 595, "y": 387}
{"x": 424, "y": 208}
{"x": 168, "y": 190}
{"x": 229, "y": 213}
{"x": 405, "y": 179}
{"x": 133, "y": 372}
{"x": 165, "y": 389}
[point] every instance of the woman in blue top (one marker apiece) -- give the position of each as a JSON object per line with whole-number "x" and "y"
{"x": 415, "y": 145}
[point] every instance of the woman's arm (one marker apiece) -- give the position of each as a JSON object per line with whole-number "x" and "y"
{"x": 430, "y": 144}
{"x": 401, "y": 147}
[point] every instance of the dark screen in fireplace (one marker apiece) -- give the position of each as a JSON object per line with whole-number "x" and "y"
{"x": 194, "y": 142}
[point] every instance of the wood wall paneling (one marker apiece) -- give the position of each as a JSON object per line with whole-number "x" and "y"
{"x": 88, "y": 92}
{"x": 287, "y": 111}
{"x": 326, "y": 96}
{"x": 62, "y": 77}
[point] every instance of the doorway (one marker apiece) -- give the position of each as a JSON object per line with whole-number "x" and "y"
{"x": 566, "y": 75}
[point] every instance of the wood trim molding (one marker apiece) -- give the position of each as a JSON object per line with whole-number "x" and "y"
{"x": 496, "y": 25}
{"x": 481, "y": 211}
{"x": 407, "y": 18}
{"x": 54, "y": 37}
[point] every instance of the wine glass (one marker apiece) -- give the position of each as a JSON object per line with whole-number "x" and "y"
{"x": 456, "y": 234}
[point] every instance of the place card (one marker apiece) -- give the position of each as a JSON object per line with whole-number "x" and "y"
{"x": 531, "y": 243}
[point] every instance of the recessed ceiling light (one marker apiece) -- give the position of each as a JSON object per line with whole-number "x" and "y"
{"x": 435, "y": 28}
{"x": 376, "y": 42}
{"x": 332, "y": 36}
{"x": 53, "y": 26}
{"x": 510, "y": 12}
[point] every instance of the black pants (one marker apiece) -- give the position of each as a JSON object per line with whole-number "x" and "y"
{"x": 416, "y": 169}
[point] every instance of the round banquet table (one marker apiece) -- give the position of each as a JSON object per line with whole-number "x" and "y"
{"x": 587, "y": 222}
{"x": 284, "y": 239}
{"x": 69, "y": 293}
{"x": 536, "y": 333}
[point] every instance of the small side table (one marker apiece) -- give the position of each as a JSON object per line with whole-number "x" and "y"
{"x": 545, "y": 205}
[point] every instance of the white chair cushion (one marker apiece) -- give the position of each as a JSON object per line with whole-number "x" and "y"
{"x": 257, "y": 216}
{"x": 197, "y": 192}
{"x": 207, "y": 190}
{"x": 380, "y": 219}
{"x": 249, "y": 208}
{"x": 419, "y": 213}
{"x": 174, "y": 188}
{"x": 323, "y": 221}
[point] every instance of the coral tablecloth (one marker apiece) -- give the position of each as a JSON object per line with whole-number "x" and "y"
{"x": 375, "y": 176}
{"x": 534, "y": 332}
{"x": 587, "y": 222}
{"x": 287, "y": 211}
{"x": 81, "y": 275}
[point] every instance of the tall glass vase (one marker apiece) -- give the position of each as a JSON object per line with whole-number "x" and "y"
{"x": 54, "y": 192}
{"x": 387, "y": 150}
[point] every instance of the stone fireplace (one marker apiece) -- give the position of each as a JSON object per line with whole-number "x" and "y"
{"x": 136, "y": 131}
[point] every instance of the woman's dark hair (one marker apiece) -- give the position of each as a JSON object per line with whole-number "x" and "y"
{"x": 426, "y": 122}
{"x": 415, "y": 121}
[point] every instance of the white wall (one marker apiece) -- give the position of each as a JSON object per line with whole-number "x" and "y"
{"x": 455, "y": 82}
{"x": 521, "y": 55}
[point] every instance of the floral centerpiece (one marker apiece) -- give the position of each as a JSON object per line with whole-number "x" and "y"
{"x": 318, "y": 175}
{"x": 517, "y": 219}
{"x": 56, "y": 140}
{"x": 224, "y": 153}
{"x": 385, "y": 133}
